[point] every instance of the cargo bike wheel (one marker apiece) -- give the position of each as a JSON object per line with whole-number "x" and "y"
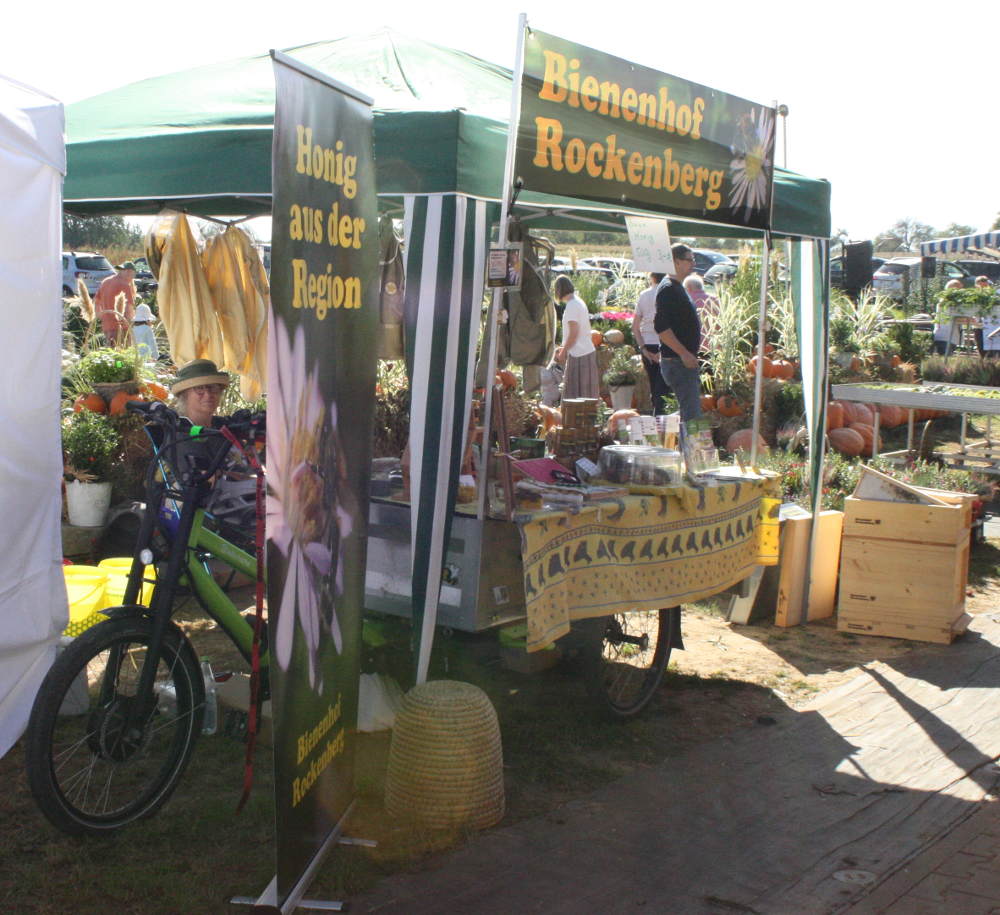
{"x": 624, "y": 657}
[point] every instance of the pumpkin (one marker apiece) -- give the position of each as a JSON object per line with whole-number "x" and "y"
{"x": 707, "y": 403}
{"x": 596, "y": 337}
{"x": 159, "y": 392}
{"x": 742, "y": 440}
{"x": 768, "y": 371}
{"x": 549, "y": 416}
{"x": 507, "y": 378}
{"x": 768, "y": 349}
{"x": 847, "y": 442}
{"x": 727, "y": 405}
{"x": 834, "y": 415}
{"x": 857, "y": 413}
{"x": 118, "y": 402}
{"x": 784, "y": 369}
{"x": 92, "y": 401}
{"x": 614, "y": 337}
{"x": 890, "y": 416}
{"x": 857, "y": 366}
{"x": 867, "y": 433}
{"x": 896, "y": 361}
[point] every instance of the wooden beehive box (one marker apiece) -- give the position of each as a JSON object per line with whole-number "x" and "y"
{"x": 904, "y": 566}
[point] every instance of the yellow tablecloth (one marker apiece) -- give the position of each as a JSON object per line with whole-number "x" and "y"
{"x": 639, "y": 552}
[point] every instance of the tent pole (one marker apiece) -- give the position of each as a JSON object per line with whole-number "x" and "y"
{"x": 761, "y": 333}
{"x": 494, "y": 310}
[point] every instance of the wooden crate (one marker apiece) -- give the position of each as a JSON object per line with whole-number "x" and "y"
{"x": 924, "y": 583}
{"x": 794, "y": 557}
{"x": 941, "y": 634}
{"x": 907, "y": 522}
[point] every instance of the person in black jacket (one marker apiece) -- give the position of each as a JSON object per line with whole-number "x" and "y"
{"x": 679, "y": 330}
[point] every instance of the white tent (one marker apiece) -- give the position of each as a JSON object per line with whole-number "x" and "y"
{"x": 33, "y": 607}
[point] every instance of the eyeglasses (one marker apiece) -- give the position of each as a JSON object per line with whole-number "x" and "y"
{"x": 207, "y": 390}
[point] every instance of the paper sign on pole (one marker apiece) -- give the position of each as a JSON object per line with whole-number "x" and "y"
{"x": 650, "y": 240}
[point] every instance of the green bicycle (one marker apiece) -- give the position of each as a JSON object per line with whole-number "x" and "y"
{"x": 116, "y": 719}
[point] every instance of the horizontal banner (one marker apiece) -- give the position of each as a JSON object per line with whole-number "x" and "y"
{"x": 597, "y": 127}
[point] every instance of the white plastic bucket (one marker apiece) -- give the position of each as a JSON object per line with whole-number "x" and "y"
{"x": 87, "y": 504}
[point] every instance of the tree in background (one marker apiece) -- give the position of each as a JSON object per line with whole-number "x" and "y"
{"x": 996, "y": 222}
{"x": 98, "y": 233}
{"x": 904, "y": 235}
{"x": 955, "y": 230}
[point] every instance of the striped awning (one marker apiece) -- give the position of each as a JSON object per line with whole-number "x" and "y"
{"x": 960, "y": 243}
{"x": 446, "y": 239}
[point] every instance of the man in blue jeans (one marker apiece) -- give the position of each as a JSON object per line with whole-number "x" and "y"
{"x": 679, "y": 330}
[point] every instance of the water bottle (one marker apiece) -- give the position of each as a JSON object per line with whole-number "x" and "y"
{"x": 210, "y": 720}
{"x": 166, "y": 698}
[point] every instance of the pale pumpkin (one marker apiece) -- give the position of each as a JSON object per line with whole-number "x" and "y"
{"x": 742, "y": 440}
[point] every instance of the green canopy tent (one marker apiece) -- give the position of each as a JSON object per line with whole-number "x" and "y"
{"x": 200, "y": 140}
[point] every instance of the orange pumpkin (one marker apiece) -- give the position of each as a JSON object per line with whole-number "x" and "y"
{"x": 92, "y": 401}
{"x": 742, "y": 440}
{"x": 784, "y": 369}
{"x": 707, "y": 403}
{"x": 118, "y": 402}
{"x": 768, "y": 348}
{"x": 834, "y": 415}
{"x": 727, "y": 405}
{"x": 857, "y": 413}
{"x": 507, "y": 378}
{"x": 896, "y": 361}
{"x": 846, "y": 441}
{"x": 867, "y": 433}
{"x": 768, "y": 371}
{"x": 890, "y": 416}
{"x": 154, "y": 390}
{"x": 857, "y": 366}
{"x": 596, "y": 337}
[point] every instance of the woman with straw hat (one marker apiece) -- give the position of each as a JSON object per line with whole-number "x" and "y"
{"x": 199, "y": 387}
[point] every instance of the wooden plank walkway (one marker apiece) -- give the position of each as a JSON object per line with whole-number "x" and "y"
{"x": 806, "y": 816}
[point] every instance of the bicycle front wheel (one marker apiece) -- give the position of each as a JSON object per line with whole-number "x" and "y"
{"x": 86, "y": 773}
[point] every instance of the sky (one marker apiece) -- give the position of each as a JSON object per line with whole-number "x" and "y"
{"x": 892, "y": 103}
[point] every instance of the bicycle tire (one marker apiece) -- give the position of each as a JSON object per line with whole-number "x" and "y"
{"x": 622, "y": 676}
{"x": 85, "y": 776}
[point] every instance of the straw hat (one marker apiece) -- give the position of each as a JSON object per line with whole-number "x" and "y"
{"x": 445, "y": 761}
{"x": 200, "y": 371}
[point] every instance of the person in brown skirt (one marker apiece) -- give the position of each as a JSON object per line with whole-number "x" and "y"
{"x": 577, "y": 352}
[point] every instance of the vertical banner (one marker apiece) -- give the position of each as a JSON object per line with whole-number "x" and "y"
{"x": 321, "y": 380}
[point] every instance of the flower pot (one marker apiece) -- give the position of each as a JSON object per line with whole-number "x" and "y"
{"x": 621, "y": 396}
{"x": 87, "y": 504}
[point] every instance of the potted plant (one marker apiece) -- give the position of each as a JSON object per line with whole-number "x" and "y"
{"x": 108, "y": 371}
{"x": 621, "y": 377}
{"x": 90, "y": 445}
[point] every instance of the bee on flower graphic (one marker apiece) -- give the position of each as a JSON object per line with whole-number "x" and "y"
{"x": 308, "y": 508}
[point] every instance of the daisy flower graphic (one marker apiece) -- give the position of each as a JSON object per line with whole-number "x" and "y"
{"x": 750, "y": 169}
{"x": 300, "y": 523}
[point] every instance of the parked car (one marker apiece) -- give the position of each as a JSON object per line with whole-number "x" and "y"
{"x": 896, "y": 277}
{"x": 89, "y": 267}
{"x": 704, "y": 260}
{"x": 989, "y": 269}
{"x": 619, "y": 266}
{"x": 837, "y": 269}
{"x": 145, "y": 282}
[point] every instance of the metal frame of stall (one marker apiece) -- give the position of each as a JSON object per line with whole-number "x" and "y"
{"x": 980, "y": 456}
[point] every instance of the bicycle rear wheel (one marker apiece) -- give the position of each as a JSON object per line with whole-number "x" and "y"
{"x": 86, "y": 774}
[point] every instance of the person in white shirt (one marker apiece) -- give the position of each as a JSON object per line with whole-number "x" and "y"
{"x": 577, "y": 352}
{"x": 946, "y": 331}
{"x": 648, "y": 342}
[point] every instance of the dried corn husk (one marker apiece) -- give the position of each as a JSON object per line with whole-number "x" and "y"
{"x": 239, "y": 290}
{"x": 185, "y": 300}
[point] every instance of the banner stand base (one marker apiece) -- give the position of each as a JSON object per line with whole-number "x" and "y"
{"x": 268, "y": 900}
